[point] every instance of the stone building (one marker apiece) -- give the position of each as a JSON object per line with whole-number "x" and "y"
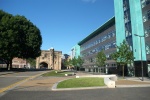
{"x": 16, "y": 63}
{"x": 49, "y": 59}
{"x": 19, "y": 63}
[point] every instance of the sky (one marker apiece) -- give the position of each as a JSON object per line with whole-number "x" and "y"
{"x": 63, "y": 23}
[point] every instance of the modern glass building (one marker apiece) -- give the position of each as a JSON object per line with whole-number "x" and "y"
{"x": 103, "y": 38}
{"x": 133, "y": 25}
{"x": 75, "y": 51}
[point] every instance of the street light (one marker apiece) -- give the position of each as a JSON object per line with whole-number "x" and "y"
{"x": 141, "y": 54}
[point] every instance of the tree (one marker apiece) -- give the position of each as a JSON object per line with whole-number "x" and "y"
{"x": 100, "y": 59}
{"x": 80, "y": 61}
{"x": 8, "y": 37}
{"x": 74, "y": 62}
{"x": 18, "y": 38}
{"x": 66, "y": 63}
{"x": 31, "y": 61}
{"x": 123, "y": 55}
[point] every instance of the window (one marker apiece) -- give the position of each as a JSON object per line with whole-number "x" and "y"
{"x": 147, "y": 49}
{"x": 147, "y": 2}
{"x": 148, "y": 14}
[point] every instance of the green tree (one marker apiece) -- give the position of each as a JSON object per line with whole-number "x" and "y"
{"x": 66, "y": 63}
{"x": 123, "y": 56}
{"x": 7, "y": 38}
{"x": 18, "y": 38}
{"x": 80, "y": 62}
{"x": 74, "y": 63}
{"x": 32, "y": 62}
{"x": 100, "y": 59}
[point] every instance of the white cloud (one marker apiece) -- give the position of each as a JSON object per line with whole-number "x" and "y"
{"x": 92, "y": 1}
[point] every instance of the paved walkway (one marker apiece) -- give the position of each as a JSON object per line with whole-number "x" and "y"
{"x": 46, "y": 83}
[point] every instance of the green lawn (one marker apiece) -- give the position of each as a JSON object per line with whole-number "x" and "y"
{"x": 81, "y": 82}
{"x": 53, "y": 73}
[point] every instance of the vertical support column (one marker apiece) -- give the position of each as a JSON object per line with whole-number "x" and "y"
{"x": 119, "y": 21}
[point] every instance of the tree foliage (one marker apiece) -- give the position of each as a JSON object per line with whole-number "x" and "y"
{"x": 18, "y": 38}
{"x": 80, "y": 61}
{"x": 100, "y": 59}
{"x": 66, "y": 63}
{"x": 75, "y": 62}
{"x": 32, "y": 62}
{"x": 123, "y": 55}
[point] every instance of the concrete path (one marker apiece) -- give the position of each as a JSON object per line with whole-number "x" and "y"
{"x": 46, "y": 83}
{"x": 41, "y": 83}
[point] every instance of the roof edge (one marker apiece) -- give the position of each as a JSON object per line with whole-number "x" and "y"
{"x": 100, "y": 29}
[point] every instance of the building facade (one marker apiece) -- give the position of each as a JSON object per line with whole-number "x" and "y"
{"x": 19, "y": 63}
{"x": 104, "y": 38}
{"x": 49, "y": 59}
{"x": 75, "y": 51}
{"x": 133, "y": 25}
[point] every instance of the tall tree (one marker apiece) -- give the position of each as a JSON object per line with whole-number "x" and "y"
{"x": 123, "y": 55}
{"x": 18, "y": 38}
{"x": 80, "y": 62}
{"x": 74, "y": 62}
{"x": 100, "y": 59}
{"x": 31, "y": 61}
{"x": 7, "y": 38}
{"x": 66, "y": 63}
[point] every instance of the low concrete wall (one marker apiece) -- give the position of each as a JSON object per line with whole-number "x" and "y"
{"x": 109, "y": 80}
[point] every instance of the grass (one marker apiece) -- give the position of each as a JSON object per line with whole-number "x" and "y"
{"x": 53, "y": 73}
{"x": 81, "y": 82}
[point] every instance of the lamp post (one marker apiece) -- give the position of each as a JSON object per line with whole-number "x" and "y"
{"x": 141, "y": 54}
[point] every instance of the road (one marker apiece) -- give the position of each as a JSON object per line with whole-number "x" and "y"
{"x": 42, "y": 93}
{"x": 141, "y": 93}
{"x": 9, "y": 80}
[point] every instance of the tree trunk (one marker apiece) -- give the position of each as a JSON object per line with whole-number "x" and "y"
{"x": 123, "y": 71}
{"x": 8, "y": 67}
{"x": 10, "y": 64}
{"x": 100, "y": 70}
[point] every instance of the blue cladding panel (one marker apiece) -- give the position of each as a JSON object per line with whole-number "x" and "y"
{"x": 77, "y": 51}
{"x": 119, "y": 19}
{"x": 137, "y": 28}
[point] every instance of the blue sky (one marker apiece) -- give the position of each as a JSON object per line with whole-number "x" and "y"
{"x": 63, "y": 23}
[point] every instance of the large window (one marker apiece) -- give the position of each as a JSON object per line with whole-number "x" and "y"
{"x": 100, "y": 48}
{"x": 147, "y": 31}
{"x": 144, "y": 3}
{"x": 100, "y": 39}
{"x": 147, "y": 49}
{"x": 148, "y": 14}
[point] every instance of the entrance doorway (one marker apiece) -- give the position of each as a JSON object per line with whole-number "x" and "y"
{"x": 43, "y": 65}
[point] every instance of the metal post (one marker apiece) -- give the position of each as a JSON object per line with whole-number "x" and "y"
{"x": 141, "y": 58}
